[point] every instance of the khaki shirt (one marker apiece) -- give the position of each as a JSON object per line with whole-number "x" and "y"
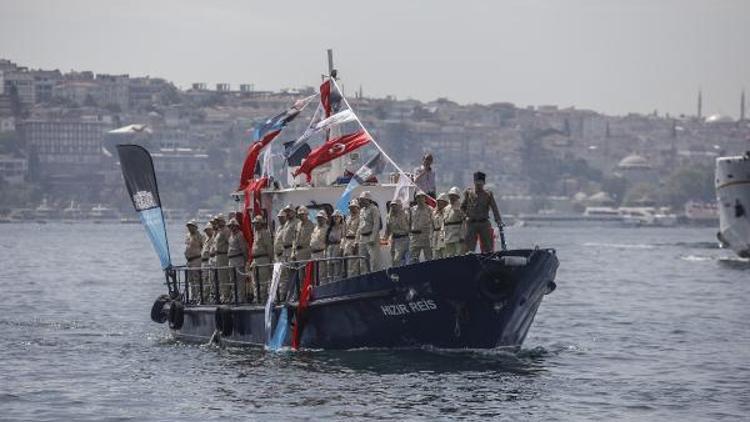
{"x": 289, "y": 231}
{"x": 222, "y": 241}
{"x": 438, "y": 232}
{"x": 193, "y": 246}
{"x": 369, "y": 224}
{"x": 237, "y": 246}
{"x": 350, "y": 233}
{"x": 263, "y": 245}
{"x": 208, "y": 243}
{"x": 303, "y": 235}
{"x": 477, "y": 206}
{"x": 318, "y": 238}
{"x": 421, "y": 225}
{"x": 453, "y": 223}
{"x": 397, "y": 224}
{"x": 278, "y": 239}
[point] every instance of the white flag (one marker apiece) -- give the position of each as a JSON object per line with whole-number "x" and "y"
{"x": 402, "y": 189}
{"x": 335, "y": 120}
{"x": 275, "y": 276}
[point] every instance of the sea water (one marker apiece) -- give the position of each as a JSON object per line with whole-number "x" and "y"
{"x": 646, "y": 324}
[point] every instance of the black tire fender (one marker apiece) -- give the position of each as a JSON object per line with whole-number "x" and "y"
{"x": 157, "y": 310}
{"x": 176, "y": 315}
{"x": 224, "y": 321}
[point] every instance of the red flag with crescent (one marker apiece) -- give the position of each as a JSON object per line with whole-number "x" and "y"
{"x": 330, "y": 150}
{"x": 304, "y": 299}
{"x": 252, "y": 190}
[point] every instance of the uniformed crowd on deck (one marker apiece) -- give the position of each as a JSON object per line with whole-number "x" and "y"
{"x": 343, "y": 246}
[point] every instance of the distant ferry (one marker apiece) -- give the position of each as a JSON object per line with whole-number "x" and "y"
{"x": 733, "y": 194}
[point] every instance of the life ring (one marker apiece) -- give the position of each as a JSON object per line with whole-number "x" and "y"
{"x": 224, "y": 321}
{"x": 176, "y": 315}
{"x": 157, "y": 310}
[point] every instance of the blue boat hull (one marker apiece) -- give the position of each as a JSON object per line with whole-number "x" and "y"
{"x": 469, "y": 301}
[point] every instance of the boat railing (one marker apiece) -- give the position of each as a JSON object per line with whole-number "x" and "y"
{"x": 203, "y": 285}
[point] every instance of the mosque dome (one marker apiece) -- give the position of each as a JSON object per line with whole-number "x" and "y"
{"x": 634, "y": 161}
{"x": 719, "y": 118}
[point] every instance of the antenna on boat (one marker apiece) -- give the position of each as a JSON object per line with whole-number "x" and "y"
{"x": 331, "y": 71}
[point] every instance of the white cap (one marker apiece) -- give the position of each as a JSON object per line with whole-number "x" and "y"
{"x": 322, "y": 214}
{"x": 443, "y": 197}
{"x": 366, "y": 195}
{"x": 302, "y": 210}
{"x": 454, "y": 191}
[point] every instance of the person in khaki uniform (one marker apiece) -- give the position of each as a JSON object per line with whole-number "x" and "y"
{"x": 278, "y": 242}
{"x": 350, "y": 245}
{"x": 420, "y": 217}
{"x": 333, "y": 244}
{"x": 318, "y": 237}
{"x": 397, "y": 229}
{"x": 303, "y": 235}
{"x": 369, "y": 230}
{"x": 438, "y": 229}
{"x": 208, "y": 241}
{"x": 262, "y": 250}
{"x": 222, "y": 261}
{"x": 453, "y": 224}
{"x": 288, "y": 232}
{"x": 193, "y": 249}
{"x": 238, "y": 253}
{"x": 477, "y": 205}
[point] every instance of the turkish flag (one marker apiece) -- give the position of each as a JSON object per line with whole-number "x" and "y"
{"x": 332, "y": 149}
{"x": 305, "y": 294}
{"x": 248, "y": 168}
{"x": 252, "y": 189}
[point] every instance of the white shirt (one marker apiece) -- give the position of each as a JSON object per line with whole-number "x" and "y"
{"x": 424, "y": 179}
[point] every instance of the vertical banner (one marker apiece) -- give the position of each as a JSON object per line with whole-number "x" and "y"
{"x": 275, "y": 276}
{"x": 140, "y": 180}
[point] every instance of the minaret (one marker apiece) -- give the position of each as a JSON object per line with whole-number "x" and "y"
{"x": 700, "y": 104}
{"x": 742, "y": 106}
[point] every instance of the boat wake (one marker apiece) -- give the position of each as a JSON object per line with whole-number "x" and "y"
{"x": 742, "y": 264}
{"x": 619, "y": 245}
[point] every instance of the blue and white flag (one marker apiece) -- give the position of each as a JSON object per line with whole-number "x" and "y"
{"x": 371, "y": 168}
{"x": 140, "y": 179}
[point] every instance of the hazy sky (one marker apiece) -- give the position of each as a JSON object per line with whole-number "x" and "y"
{"x": 610, "y": 56}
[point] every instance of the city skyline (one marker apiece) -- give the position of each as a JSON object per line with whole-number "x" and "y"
{"x": 615, "y": 58}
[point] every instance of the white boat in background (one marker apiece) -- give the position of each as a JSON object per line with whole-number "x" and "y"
{"x": 702, "y": 213}
{"x": 73, "y": 213}
{"x": 43, "y": 213}
{"x": 733, "y": 194}
{"x": 101, "y": 214}
{"x": 648, "y": 216}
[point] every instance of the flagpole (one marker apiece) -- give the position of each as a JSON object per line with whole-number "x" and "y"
{"x": 382, "y": 151}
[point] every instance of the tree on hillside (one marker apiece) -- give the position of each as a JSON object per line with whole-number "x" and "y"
{"x": 687, "y": 183}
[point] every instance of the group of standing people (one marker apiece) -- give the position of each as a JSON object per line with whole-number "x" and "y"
{"x": 451, "y": 228}
{"x": 344, "y": 246}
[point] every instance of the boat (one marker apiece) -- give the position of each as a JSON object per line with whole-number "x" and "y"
{"x": 476, "y": 300}
{"x": 733, "y": 197}
{"x": 101, "y": 214}
{"x": 699, "y": 213}
{"x": 648, "y": 217}
{"x": 43, "y": 213}
{"x": 72, "y": 213}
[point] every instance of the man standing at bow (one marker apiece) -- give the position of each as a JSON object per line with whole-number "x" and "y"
{"x": 477, "y": 205}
